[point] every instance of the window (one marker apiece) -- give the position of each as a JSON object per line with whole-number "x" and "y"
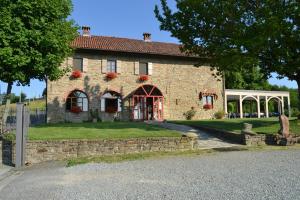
{"x": 208, "y": 100}
{"x": 111, "y": 102}
{"x": 143, "y": 68}
{"x": 77, "y": 64}
{"x": 111, "y": 66}
{"x": 77, "y": 99}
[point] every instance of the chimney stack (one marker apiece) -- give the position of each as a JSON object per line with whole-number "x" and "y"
{"x": 86, "y": 31}
{"x": 147, "y": 37}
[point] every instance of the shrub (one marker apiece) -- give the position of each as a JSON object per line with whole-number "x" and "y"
{"x": 76, "y": 74}
{"x": 220, "y": 114}
{"x": 111, "y": 75}
{"x": 190, "y": 114}
{"x": 9, "y": 136}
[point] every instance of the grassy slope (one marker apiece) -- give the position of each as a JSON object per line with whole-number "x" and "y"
{"x": 270, "y": 125}
{"x": 104, "y": 130}
{"x": 40, "y": 104}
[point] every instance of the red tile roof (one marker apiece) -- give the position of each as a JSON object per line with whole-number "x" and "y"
{"x": 127, "y": 45}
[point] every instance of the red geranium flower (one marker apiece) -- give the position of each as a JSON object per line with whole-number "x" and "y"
{"x": 76, "y": 109}
{"x": 76, "y": 74}
{"x": 111, "y": 75}
{"x": 207, "y": 106}
{"x": 144, "y": 78}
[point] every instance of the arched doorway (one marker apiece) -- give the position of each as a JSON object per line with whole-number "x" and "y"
{"x": 147, "y": 103}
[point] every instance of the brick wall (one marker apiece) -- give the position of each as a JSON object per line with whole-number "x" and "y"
{"x": 179, "y": 81}
{"x": 40, "y": 151}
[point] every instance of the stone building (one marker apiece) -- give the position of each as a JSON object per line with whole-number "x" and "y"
{"x": 128, "y": 79}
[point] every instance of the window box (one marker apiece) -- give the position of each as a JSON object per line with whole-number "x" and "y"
{"x": 144, "y": 78}
{"x": 76, "y": 74}
{"x": 111, "y": 75}
{"x": 207, "y": 106}
{"x": 76, "y": 109}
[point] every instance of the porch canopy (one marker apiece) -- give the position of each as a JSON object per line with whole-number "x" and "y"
{"x": 260, "y": 97}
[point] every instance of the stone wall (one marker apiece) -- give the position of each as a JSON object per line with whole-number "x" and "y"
{"x": 269, "y": 139}
{"x": 178, "y": 79}
{"x": 41, "y": 151}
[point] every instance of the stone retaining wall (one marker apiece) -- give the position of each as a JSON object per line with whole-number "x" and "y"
{"x": 269, "y": 139}
{"x": 40, "y": 151}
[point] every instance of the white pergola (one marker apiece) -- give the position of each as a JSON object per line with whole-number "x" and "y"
{"x": 257, "y": 95}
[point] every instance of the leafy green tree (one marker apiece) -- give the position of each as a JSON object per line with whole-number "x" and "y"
{"x": 249, "y": 79}
{"x": 238, "y": 35}
{"x": 35, "y": 37}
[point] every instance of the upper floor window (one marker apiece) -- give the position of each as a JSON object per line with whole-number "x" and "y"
{"x": 208, "y": 100}
{"x": 111, "y": 66}
{"x": 78, "y": 64}
{"x": 143, "y": 68}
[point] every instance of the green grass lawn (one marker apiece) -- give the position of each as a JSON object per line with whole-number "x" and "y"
{"x": 103, "y": 130}
{"x": 267, "y": 125}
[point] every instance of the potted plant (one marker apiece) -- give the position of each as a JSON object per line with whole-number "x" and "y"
{"x": 76, "y": 74}
{"x": 207, "y": 106}
{"x": 111, "y": 75}
{"x": 76, "y": 109}
{"x": 143, "y": 78}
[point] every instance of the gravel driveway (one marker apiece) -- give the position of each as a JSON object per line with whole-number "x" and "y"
{"x": 231, "y": 175}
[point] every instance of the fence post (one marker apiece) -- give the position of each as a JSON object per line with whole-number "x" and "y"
{"x": 21, "y": 132}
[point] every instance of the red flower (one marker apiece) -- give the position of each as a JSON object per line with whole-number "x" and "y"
{"x": 207, "y": 106}
{"x": 144, "y": 78}
{"x": 76, "y": 109}
{"x": 111, "y": 75}
{"x": 76, "y": 74}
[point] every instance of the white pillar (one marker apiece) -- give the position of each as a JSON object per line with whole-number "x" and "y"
{"x": 282, "y": 105}
{"x": 225, "y": 99}
{"x": 258, "y": 106}
{"x": 267, "y": 107}
{"x": 241, "y": 107}
{"x": 289, "y": 106}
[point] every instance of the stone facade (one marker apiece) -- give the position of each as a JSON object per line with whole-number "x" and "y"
{"x": 41, "y": 151}
{"x": 178, "y": 79}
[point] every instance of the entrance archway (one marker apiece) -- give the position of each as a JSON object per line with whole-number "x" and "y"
{"x": 147, "y": 103}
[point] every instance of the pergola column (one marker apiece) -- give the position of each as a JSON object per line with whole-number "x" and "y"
{"x": 225, "y": 99}
{"x": 282, "y": 105}
{"x": 267, "y": 106}
{"x": 289, "y": 106}
{"x": 258, "y": 106}
{"x": 241, "y": 107}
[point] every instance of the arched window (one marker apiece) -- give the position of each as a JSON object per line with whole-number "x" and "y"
{"x": 111, "y": 102}
{"x": 77, "y": 99}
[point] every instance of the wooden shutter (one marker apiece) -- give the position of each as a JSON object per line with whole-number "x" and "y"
{"x": 85, "y": 64}
{"x": 104, "y": 66}
{"x": 150, "y": 66}
{"x": 102, "y": 106}
{"x": 119, "y": 66}
{"x": 136, "y": 68}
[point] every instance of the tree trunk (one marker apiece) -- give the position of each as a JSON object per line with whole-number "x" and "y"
{"x": 7, "y": 104}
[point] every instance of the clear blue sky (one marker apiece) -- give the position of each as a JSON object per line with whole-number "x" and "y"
{"x": 121, "y": 19}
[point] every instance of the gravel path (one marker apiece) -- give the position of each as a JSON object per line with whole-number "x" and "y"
{"x": 232, "y": 175}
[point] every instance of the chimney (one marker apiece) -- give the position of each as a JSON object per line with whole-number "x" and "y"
{"x": 86, "y": 31}
{"x": 147, "y": 37}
